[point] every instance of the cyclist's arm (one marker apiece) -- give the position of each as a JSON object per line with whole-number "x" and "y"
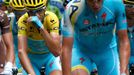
{"x": 5, "y": 29}
{"x": 66, "y": 55}
{"x": 9, "y": 46}
{"x": 67, "y": 43}
{"x": 124, "y": 46}
{"x": 52, "y": 39}
{"x": 22, "y": 46}
{"x": 124, "y": 50}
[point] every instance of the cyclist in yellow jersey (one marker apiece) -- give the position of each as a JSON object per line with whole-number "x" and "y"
{"x": 38, "y": 39}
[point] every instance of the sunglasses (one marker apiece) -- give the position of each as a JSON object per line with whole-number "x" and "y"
{"x": 129, "y": 6}
{"x": 19, "y": 13}
{"x": 33, "y": 12}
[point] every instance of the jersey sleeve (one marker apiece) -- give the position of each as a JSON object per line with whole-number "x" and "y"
{"x": 120, "y": 16}
{"x": 5, "y": 25}
{"x": 22, "y": 28}
{"x": 52, "y": 23}
{"x": 67, "y": 28}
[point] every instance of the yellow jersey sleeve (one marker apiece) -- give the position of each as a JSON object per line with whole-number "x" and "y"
{"x": 51, "y": 22}
{"x": 22, "y": 28}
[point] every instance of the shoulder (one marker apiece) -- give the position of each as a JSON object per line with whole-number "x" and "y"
{"x": 114, "y": 3}
{"x": 23, "y": 18}
{"x": 2, "y": 15}
{"x": 3, "y": 18}
{"x": 51, "y": 18}
{"x": 49, "y": 14}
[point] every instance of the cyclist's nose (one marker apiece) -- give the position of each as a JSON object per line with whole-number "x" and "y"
{"x": 96, "y": 5}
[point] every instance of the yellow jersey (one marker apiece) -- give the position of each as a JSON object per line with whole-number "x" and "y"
{"x": 36, "y": 43}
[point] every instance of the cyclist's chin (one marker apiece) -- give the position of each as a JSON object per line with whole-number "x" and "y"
{"x": 96, "y": 10}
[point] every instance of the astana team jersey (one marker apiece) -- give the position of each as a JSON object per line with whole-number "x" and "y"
{"x": 36, "y": 43}
{"x": 94, "y": 31}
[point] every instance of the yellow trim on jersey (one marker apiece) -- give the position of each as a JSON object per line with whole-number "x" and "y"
{"x": 33, "y": 52}
{"x": 80, "y": 67}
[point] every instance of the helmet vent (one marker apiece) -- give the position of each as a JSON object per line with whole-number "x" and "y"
{"x": 38, "y": 1}
{"x": 34, "y": 1}
{"x": 26, "y": 1}
{"x": 30, "y": 1}
{"x": 14, "y": 3}
{"x": 18, "y": 2}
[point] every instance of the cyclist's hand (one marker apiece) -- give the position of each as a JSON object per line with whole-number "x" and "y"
{"x": 8, "y": 68}
{"x": 36, "y": 21}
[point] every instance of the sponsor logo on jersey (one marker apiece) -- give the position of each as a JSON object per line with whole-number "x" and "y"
{"x": 82, "y": 60}
{"x": 124, "y": 21}
{"x": 86, "y": 22}
{"x": 53, "y": 21}
{"x": 51, "y": 64}
{"x": 103, "y": 16}
{"x": 22, "y": 28}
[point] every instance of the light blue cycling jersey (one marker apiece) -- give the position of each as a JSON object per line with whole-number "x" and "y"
{"x": 95, "y": 35}
{"x": 95, "y": 31}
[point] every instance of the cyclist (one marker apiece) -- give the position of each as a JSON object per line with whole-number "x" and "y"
{"x": 130, "y": 19}
{"x": 93, "y": 24}
{"x": 18, "y": 10}
{"x": 38, "y": 39}
{"x": 6, "y": 43}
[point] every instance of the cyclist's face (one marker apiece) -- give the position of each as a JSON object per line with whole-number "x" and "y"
{"x": 41, "y": 13}
{"x": 95, "y": 5}
{"x": 38, "y": 12}
{"x": 130, "y": 16}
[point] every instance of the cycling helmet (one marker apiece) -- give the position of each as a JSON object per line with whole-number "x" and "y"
{"x": 6, "y": 2}
{"x": 34, "y": 4}
{"x": 17, "y": 4}
{"x": 129, "y": 1}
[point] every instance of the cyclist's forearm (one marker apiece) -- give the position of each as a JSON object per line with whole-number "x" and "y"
{"x": 9, "y": 46}
{"x": 26, "y": 62}
{"x": 52, "y": 43}
{"x": 66, "y": 62}
{"x": 66, "y": 55}
{"x": 10, "y": 55}
{"x": 124, "y": 56}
